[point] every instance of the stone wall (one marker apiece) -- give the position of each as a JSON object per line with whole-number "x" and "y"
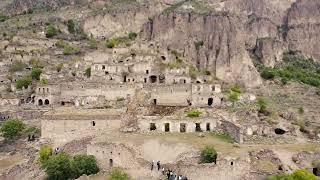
{"x": 113, "y": 155}
{"x": 52, "y": 128}
{"x": 232, "y": 129}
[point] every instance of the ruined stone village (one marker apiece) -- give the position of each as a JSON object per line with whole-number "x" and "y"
{"x": 146, "y": 88}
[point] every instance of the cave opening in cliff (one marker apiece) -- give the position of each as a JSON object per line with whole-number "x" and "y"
{"x": 279, "y": 131}
{"x": 316, "y": 171}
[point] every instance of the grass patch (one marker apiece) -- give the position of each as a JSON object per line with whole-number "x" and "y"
{"x": 223, "y": 137}
{"x": 17, "y": 66}
{"x": 194, "y": 114}
{"x": 23, "y": 82}
{"x": 126, "y": 40}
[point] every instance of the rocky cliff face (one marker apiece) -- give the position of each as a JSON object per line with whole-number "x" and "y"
{"x": 213, "y": 42}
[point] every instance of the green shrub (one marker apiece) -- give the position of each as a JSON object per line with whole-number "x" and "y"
{"x": 296, "y": 175}
{"x": 69, "y": 50}
{"x": 233, "y": 97}
{"x": 44, "y": 154}
{"x": 209, "y": 154}
{"x": 12, "y": 128}
{"x": 236, "y": 89}
{"x": 44, "y": 81}
{"x": 51, "y": 31}
{"x": 268, "y": 73}
{"x": 301, "y": 110}
{"x": 111, "y": 43}
{"x": 58, "y": 167}
{"x": 263, "y": 104}
{"x": 35, "y": 73}
{"x": 36, "y": 63}
{"x": 23, "y": 82}
{"x": 93, "y": 44}
{"x": 71, "y": 26}
{"x": 3, "y": 18}
{"x": 88, "y": 72}
{"x": 84, "y": 164}
{"x": 132, "y": 36}
{"x": 194, "y": 113}
{"x": 60, "y": 43}
{"x": 17, "y": 66}
{"x": 118, "y": 174}
{"x": 59, "y": 67}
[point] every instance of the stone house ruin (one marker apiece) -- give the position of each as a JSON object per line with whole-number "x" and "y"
{"x": 215, "y": 123}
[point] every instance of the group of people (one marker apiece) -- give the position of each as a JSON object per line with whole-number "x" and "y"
{"x": 170, "y": 174}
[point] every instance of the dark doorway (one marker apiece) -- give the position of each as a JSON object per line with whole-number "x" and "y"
{"x": 198, "y": 127}
{"x": 93, "y": 123}
{"x": 208, "y": 127}
{"x": 316, "y": 171}
{"x": 124, "y": 78}
{"x": 145, "y": 80}
{"x": 153, "y": 79}
{"x": 183, "y": 127}
{"x": 46, "y": 102}
{"x": 231, "y": 163}
{"x": 153, "y": 126}
{"x": 62, "y": 103}
{"x": 147, "y": 71}
{"x": 111, "y": 162}
{"x": 210, "y": 101}
{"x": 167, "y": 127}
{"x": 40, "y": 102}
{"x": 279, "y": 131}
{"x": 155, "y": 101}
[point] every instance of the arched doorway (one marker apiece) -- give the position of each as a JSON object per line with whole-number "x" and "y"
{"x": 40, "y": 102}
{"x": 153, "y": 79}
{"x": 46, "y": 102}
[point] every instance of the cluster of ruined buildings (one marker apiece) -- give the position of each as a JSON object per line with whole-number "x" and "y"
{"x": 120, "y": 80}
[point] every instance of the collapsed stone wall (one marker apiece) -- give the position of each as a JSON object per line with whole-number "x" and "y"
{"x": 232, "y": 129}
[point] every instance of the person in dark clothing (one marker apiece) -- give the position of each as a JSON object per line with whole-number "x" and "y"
{"x": 158, "y": 165}
{"x": 152, "y": 164}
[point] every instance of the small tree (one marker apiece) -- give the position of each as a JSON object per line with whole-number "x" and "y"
{"x": 44, "y": 154}
{"x": 12, "y": 128}
{"x": 263, "y": 103}
{"x": 71, "y": 26}
{"x": 132, "y": 35}
{"x": 35, "y": 73}
{"x": 51, "y": 31}
{"x": 233, "y": 97}
{"x": 194, "y": 113}
{"x": 268, "y": 73}
{"x": 209, "y": 154}
{"x": 23, "y": 82}
{"x": 118, "y": 174}
{"x": 84, "y": 164}
{"x": 58, "y": 167}
{"x": 88, "y": 72}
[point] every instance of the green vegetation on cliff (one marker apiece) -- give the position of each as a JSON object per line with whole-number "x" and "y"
{"x": 294, "y": 67}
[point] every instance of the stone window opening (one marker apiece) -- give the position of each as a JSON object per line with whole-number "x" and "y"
{"x": 183, "y": 127}
{"x": 279, "y": 131}
{"x": 147, "y": 71}
{"x": 43, "y": 90}
{"x": 46, "y": 102}
{"x": 155, "y": 101}
{"x": 39, "y": 89}
{"x": 62, "y": 103}
{"x": 40, "y": 102}
{"x": 124, "y": 78}
{"x": 210, "y": 101}
{"x": 231, "y": 163}
{"x": 208, "y": 127}
{"x": 145, "y": 80}
{"x": 213, "y": 88}
{"x": 103, "y": 67}
{"x": 163, "y": 58}
{"x": 107, "y": 72}
{"x": 166, "y": 127}
{"x": 111, "y": 162}
{"x": 153, "y": 79}
{"x": 153, "y": 126}
{"x": 93, "y": 123}
{"x": 198, "y": 127}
